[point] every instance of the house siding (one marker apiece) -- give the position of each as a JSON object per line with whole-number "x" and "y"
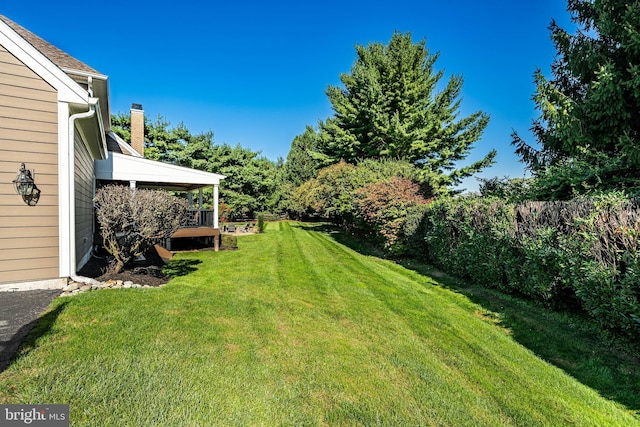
{"x": 84, "y": 193}
{"x": 28, "y": 133}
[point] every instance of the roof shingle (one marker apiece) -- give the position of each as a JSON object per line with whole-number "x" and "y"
{"x": 54, "y": 54}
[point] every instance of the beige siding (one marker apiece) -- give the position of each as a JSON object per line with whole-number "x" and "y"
{"x": 84, "y": 174}
{"x": 29, "y": 134}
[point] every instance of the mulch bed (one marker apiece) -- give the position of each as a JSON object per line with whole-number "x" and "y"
{"x": 148, "y": 272}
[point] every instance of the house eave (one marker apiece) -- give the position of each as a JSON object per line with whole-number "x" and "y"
{"x": 93, "y": 129}
{"x": 151, "y": 173}
{"x": 100, "y": 87}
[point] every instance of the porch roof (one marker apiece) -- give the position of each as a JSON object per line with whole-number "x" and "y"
{"x": 153, "y": 174}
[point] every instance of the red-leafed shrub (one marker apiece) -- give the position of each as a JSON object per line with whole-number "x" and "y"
{"x": 383, "y": 206}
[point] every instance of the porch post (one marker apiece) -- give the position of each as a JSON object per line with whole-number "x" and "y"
{"x": 190, "y": 198}
{"x": 215, "y": 206}
{"x": 200, "y": 198}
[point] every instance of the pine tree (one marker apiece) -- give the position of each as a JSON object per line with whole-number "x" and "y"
{"x": 589, "y": 109}
{"x": 301, "y": 165}
{"x": 389, "y": 107}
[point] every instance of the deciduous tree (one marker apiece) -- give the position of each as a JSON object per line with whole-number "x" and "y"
{"x": 332, "y": 194}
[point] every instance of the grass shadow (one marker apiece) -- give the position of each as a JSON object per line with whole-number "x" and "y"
{"x": 26, "y": 338}
{"x": 571, "y": 341}
{"x": 180, "y": 267}
{"x": 352, "y": 240}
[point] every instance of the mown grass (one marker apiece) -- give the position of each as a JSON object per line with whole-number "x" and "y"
{"x": 570, "y": 340}
{"x": 294, "y": 328}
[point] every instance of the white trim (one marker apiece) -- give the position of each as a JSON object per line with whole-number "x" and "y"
{"x": 120, "y": 167}
{"x": 103, "y": 139}
{"x": 123, "y": 145}
{"x": 64, "y": 203}
{"x": 68, "y": 90}
{"x": 84, "y": 73}
{"x": 216, "y": 212}
{"x": 99, "y": 133}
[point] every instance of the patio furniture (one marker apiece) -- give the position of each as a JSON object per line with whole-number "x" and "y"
{"x": 191, "y": 219}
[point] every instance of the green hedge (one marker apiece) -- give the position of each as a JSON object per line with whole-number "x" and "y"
{"x": 561, "y": 253}
{"x": 228, "y": 241}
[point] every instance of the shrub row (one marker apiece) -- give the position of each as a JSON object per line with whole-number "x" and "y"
{"x": 371, "y": 198}
{"x": 581, "y": 252}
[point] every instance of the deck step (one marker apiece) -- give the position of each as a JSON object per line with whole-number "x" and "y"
{"x": 163, "y": 253}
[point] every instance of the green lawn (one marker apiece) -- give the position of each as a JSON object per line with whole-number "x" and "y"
{"x": 296, "y": 329}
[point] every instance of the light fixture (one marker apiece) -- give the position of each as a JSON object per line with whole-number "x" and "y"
{"x": 26, "y": 186}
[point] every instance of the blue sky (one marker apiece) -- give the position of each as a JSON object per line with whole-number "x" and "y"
{"x": 255, "y": 72}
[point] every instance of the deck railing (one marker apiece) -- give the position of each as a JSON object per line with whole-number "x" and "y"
{"x": 199, "y": 218}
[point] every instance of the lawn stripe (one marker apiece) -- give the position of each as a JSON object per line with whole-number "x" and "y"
{"x": 294, "y": 328}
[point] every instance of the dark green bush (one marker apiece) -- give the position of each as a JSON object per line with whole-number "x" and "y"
{"x": 469, "y": 237}
{"x": 414, "y": 231}
{"x": 228, "y": 241}
{"x": 537, "y": 268}
{"x": 555, "y": 252}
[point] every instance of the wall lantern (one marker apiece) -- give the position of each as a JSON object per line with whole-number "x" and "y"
{"x": 26, "y": 187}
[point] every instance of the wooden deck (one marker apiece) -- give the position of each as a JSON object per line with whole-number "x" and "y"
{"x": 196, "y": 232}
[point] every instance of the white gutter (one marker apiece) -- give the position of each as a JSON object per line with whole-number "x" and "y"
{"x": 72, "y": 190}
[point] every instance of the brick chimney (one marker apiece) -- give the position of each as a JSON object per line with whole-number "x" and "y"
{"x": 137, "y": 128}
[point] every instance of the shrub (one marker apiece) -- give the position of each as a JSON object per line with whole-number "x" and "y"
{"x": 131, "y": 220}
{"x": 228, "y": 241}
{"x": 469, "y": 237}
{"x": 382, "y": 208}
{"x": 605, "y": 268}
{"x": 260, "y": 223}
{"x": 414, "y": 230}
{"x": 331, "y": 195}
{"x": 561, "y": 253}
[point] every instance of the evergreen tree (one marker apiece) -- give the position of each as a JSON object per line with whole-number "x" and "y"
{"x": 251, "y": 179}
{"x": 301, "y": 163}
{"x": 161, "y": 142}
{"x": 588, "y": 126}
{"x": 389, "y": 107}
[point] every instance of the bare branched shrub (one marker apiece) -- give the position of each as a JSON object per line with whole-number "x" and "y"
{"x": 131, "y": 220}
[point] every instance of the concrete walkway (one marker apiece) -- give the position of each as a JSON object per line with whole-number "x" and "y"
{"x": 19, "y": 312}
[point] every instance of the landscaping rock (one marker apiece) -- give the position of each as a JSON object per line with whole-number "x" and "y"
{"x": 75, "y": 288}
{"x": 71, "y": 287}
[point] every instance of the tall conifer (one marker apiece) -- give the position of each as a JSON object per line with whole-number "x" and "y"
{"x": 589, "y": 124}
{"x": 390, "y": 106}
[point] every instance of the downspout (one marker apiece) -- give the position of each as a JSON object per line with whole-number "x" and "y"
{"x": 72, "y": 190}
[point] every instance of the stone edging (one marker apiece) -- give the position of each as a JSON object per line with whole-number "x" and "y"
{"x": 75, "y": 288}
